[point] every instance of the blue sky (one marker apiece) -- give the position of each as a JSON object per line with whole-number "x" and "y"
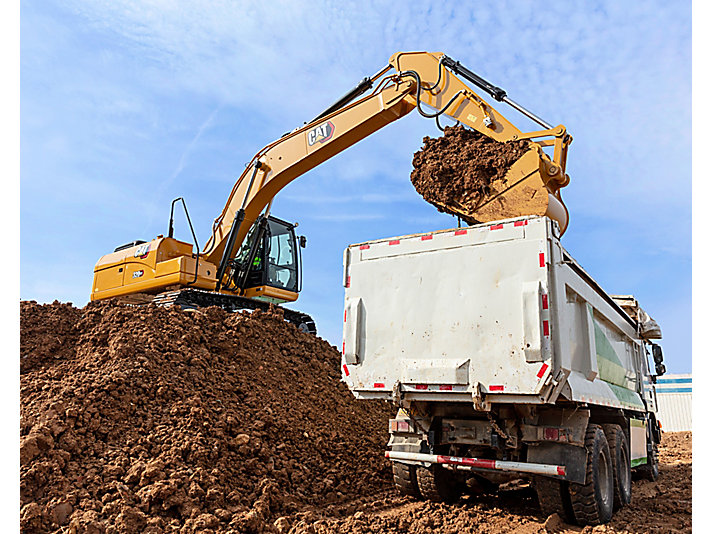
{"x": 125, "y": 106}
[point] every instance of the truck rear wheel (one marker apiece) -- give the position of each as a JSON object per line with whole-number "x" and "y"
{"x": 554, "y": 498}
{"x": 651, "y": 470}
{"x": 438, "y": 484}
{"x": 406, "y": 480}
{"x": 592, "y": 501}
{"x": 620, "y": 461}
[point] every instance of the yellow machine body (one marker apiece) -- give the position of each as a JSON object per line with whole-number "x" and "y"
{"x": 163, "y": 264}
{"x": 149, "y": 268}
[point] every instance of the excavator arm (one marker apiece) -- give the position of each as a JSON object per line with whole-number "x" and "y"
{"x": 410, "y": 81}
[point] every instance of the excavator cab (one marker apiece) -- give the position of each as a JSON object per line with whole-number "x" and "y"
{"x": 271, "y": 256}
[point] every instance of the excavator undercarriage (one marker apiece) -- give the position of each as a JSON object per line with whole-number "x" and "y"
{"x": 199, "y": 298}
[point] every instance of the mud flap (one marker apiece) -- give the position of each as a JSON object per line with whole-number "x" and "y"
{"x": 571, "y": 456}
{"x": 408, "y": 443}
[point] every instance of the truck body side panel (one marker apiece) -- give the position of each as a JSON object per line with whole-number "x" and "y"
{"x": 596, "y": 341}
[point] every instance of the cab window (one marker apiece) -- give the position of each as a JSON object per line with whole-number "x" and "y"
{"x": 282, "y": 257}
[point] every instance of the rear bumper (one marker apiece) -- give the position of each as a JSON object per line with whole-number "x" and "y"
{"x": 476, "y": 464}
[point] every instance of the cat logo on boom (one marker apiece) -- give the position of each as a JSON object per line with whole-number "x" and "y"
{"x": 321, "y": 133}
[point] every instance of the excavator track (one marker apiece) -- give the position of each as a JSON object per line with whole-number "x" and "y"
{"x": 195, "y": 298}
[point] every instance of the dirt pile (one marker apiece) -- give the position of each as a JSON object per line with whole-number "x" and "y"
{"x": 461, "y": 167}
{"x": 145, "y": 419}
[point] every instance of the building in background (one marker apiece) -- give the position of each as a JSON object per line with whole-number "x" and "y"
{"x": 674, "y": 394}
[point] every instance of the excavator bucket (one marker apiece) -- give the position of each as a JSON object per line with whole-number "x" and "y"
{"x": 486, "y": 180}
{"x": 524, "y": 192}
{"x": 484, "y": 168}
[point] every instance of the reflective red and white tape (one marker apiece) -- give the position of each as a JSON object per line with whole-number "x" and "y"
{"x": 478, "y": 463}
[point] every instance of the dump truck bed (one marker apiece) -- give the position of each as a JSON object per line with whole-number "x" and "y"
{"x": 488, "y": 313}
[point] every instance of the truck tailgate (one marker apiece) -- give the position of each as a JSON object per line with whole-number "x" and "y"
{"x": 448, "y": 314}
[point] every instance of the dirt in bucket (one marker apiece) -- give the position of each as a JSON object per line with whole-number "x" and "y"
{"x": 462, "y": 167}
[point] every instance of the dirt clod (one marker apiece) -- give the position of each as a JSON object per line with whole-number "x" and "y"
{"x": 462, "y": 167}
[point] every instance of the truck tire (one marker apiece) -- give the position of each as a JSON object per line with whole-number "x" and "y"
{"x": 438, "y": 484}
{"x": 554, "y": 498}
{"x": 620, "y": 462}
{"x": 592, "y": 501}
{"x": 406, "y": 480}
{"x": 651, "y": 470}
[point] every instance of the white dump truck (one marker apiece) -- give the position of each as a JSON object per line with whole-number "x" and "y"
{"x": 506, "y": 360}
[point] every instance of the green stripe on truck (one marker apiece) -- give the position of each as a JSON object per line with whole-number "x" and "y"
{"x": 610, "y": 367}
{"x": 627, "y": 397}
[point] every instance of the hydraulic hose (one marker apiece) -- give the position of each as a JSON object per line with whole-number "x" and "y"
{"x": 440, "y": 74}
{"x": 415, "y": 75}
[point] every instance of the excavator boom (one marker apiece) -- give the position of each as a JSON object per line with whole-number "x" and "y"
{"x": 410, "y": 80}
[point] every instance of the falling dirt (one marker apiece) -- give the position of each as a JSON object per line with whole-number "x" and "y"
{"x": 458, "y": 170}
{"x": 150, "y": 420}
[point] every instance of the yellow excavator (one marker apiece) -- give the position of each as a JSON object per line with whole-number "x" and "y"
{"x": 252, "y": 258}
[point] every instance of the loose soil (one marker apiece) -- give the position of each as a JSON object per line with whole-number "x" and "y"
{"x": 146, "y": 419}
{"x": 48, "y": 334}
{"x": 150, "y": 420}
{"x": 459, "y": 169}
{"x": 664, "y": 506}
